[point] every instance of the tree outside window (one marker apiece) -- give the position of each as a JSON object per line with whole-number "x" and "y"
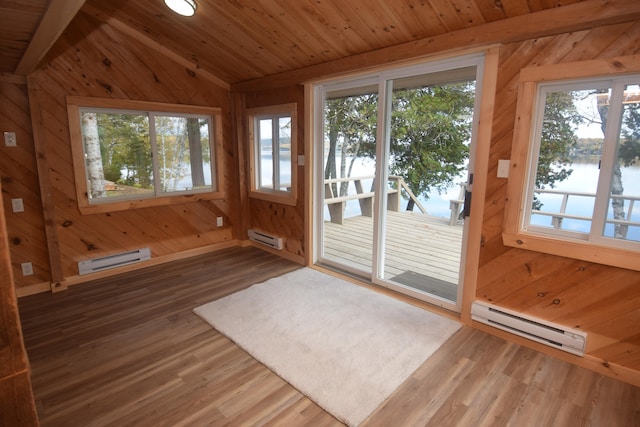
{"x": 586, "y": 126}
{"x": 120, "y": 149}
{"x": 129, "y": 154}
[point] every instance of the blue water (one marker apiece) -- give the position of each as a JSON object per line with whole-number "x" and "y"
{"x": 436, "y": 204}
{"x": 585, "y": 179}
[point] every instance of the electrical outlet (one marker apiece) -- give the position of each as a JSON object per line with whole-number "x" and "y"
{"x": 27, "y": 268}
{"x": 10, "y": 139}
{"x": 219, "y": 221}
{"x": 17, "y": 205}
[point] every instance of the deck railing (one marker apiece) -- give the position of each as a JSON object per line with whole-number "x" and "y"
{"x": 397, "y": 186}
{"x": 558, "y": 217}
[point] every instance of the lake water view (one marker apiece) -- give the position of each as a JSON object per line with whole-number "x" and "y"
{"x": 583, "y": 179}
{"x": 435, "y": 203}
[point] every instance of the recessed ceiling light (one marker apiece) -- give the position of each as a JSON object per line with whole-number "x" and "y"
{"x": 182, "y": 7}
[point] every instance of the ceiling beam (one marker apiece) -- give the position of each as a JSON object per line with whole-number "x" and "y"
{"x": 564, "y": 19}
{"x": 53, "y": 23}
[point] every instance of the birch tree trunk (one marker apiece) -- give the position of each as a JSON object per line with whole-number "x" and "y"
{"x": 91, "y": 142}
{"x": 617, "y": 205}
{"x": 620, "y": 230}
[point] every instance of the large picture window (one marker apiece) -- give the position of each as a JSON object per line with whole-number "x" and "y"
{"x": 272, "y": 132}
{"x": 142, "y": 152}
{"x": 574, "y": 189}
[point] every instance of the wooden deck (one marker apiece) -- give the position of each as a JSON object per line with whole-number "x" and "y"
{"x": 417, "y": 243}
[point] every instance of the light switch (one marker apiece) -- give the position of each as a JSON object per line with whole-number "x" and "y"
{"x": 17, "y": 205}
{"x": 301, "y": 160}
{"x": 503, "y": 168}
{"x": 27, "y": 268}
{"x": 10, "y": 139}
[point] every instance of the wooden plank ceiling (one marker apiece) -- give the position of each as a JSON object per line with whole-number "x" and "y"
{"x": 241, "y": 40}
{"x": 19, "y": 20}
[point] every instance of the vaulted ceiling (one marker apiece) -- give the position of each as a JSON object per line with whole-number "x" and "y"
{"x": 241, "y": 40}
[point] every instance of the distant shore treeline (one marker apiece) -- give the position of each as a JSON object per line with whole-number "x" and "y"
{"x": 587, "y": 147}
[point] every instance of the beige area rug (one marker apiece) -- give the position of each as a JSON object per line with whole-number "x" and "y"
{"x": 344, "y": 346}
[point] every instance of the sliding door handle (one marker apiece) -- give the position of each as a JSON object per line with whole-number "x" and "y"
{"x": 466, "y": 211}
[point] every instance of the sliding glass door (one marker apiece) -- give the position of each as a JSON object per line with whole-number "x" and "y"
{"x": 396, "y": 150}
{"x": 350, "y": 115}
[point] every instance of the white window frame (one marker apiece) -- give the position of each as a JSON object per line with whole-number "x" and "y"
{"x": 534, "y": 82}
{"x": 78, "y": 105}
{"x": 256, "y": 190}
{"x": 607, "y": 164}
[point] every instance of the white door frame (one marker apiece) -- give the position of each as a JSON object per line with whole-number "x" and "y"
{"x": 317, "y": 91}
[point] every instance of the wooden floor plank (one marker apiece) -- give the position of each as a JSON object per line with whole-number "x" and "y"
{"x": 128, "y": 350}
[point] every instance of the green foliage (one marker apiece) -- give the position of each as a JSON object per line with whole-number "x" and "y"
{"x": 112, "y": 171}
{"x": 557, "y": 141}
{"x": 351, "y": 124}
{"x": 126, "y": 149}
{"x": 430, "y": 134}
{"x": 183, "y": 145}
{"x": 629, "y": 151}
{"x": 125, "y": 146}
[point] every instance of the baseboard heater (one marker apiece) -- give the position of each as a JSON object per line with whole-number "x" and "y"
{"x": 113, "y": 261}
{"x": 561, "y": 337}
{"x": 272, "y": 241}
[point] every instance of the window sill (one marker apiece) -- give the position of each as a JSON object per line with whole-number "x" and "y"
{"x": 582, "y": 250}
{"x": 123, "y": 205}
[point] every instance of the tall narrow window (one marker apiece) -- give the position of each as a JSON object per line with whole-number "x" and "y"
{"x": 272, "y": 131}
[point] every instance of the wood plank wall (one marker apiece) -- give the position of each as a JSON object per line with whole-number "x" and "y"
{"x": 91, "y": 59}
{"x": 281, "y": 220}
{"x": 604, "y": 301}
{"x": 17, "y": 407}
{"x": 18, "y": 172}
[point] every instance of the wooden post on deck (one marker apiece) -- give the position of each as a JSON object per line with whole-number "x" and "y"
{"x": 393, "y": 195}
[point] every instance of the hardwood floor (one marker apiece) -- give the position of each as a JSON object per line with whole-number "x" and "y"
{"x": 128, "y": 351}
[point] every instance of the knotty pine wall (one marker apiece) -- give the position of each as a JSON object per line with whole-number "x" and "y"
{"x": 601, "y": 300}
{"x": 282, "y": 220}
{"x": 18, "y": 172}
{"x": 94, "y": 60}
{"x": 17, "y": 407}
